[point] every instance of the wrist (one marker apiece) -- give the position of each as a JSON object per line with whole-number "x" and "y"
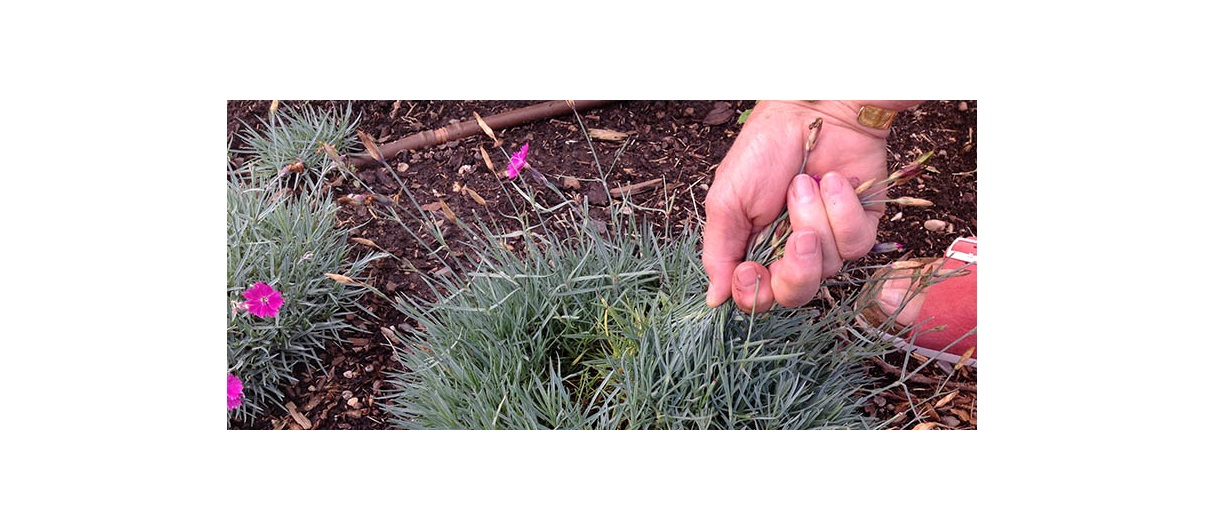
{"x": 870, "y": 117}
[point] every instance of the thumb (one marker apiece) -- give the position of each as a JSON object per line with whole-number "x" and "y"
{"x": 725, "y": 236}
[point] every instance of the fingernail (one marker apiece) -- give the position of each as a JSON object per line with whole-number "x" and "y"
{"x": 746, "y": 278}
{"x": 803, "y": 188}
{"x": 711, "y": 296}
{"x": 831, "y": 183}
{"x": 805, "y": 243}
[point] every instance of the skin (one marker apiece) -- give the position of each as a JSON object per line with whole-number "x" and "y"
{"x": 760, "y": 175}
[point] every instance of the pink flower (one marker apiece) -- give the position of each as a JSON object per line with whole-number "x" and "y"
{"x": 234, "y": 392}
{"x": 263, "y": 300}
{"x": 516, "y": 162}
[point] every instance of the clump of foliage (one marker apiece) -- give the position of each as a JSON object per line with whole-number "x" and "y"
{"x": 598, "y": 329}
{"x": 291, "y": 136}
{"x": 282, "y": 230}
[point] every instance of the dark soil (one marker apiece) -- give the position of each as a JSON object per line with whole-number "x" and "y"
{"x": 676, "y": 143}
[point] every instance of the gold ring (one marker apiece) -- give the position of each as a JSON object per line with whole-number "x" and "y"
{"x": 876, "y": 118}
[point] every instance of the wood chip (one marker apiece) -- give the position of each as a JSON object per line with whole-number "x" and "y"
{"x": 607, "y": 135}
{"x": 935, "y": 225}
{"x": 298, "y": 417}
{"x": 926, "y": 426}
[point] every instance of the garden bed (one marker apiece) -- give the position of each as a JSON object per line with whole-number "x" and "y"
{"x": 671, "y": 148}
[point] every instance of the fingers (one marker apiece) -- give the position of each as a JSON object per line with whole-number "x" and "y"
{"x": 806, "y": 208}
{"x": 853, "y": 226}
{"x": 796, "y": 277}
{"x": 751, "y": 288}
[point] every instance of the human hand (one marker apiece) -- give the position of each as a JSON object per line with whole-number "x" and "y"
{"x": 760, "y": 174}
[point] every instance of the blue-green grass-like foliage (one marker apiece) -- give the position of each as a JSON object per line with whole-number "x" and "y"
{"x": 599, "y": 330}
{"x": 282, "y": 230}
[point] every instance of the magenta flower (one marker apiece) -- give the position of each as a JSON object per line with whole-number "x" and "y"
{"x": 263, "y": 300}
{"x": 516, "y": 162}
{"x": 234, "y": 391}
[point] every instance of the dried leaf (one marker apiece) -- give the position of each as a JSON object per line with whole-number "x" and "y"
{"x": 607, "y": 135}
{"x": 906, "y": 265}
{"x": 447, "y": 211}
{"x": 962, "y": 414}
{"x": 945, "y": 400}
{"x": 485, "y": 127}
{"x": 926, "y": 426}
{"x": 332, "y": 154}
{"x": 371, "y": 146}
{"x": 721, "y": 113}
{"x": 275, "y": 105}
{"x": 367, "y": 242}
{"x": 486, "y": 157}
{"x": 340, "y": 278}
{"x": 965, "y": 355}
{"x": 476, "y": 198}
{"x": 431, "y": 207}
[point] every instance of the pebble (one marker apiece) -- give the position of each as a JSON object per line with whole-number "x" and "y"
{"x": 934, "y": 225}
{"x": 354, "y": 403}
{"x": 349, "y": 374}
{"x": 962, "y": 105}
{"x": 402, "y": 167}
{"x": 347, "y": 394}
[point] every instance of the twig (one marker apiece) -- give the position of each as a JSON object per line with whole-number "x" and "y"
{"x": 634, "y": 189}
{"x": 917, "y": 378}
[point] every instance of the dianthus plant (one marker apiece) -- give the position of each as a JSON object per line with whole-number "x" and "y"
{"x": 282, "y": 240}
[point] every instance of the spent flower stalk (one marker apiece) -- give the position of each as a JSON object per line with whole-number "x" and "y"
{"x": 770, "y": 243}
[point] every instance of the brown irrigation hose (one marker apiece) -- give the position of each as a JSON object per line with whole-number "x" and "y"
{"x": 465, "y": 128}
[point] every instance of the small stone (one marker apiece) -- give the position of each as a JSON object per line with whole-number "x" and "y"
{"x": 897, "y": 216}
{"x": 962, "y": 105}
{"x": 368, "y": 368}
{"x": 571, "y": 183}
{"x": 349, "y": 374}
{"x": 934, "y": 225}
{"x": 353, "y": 402}
{"x": 950, "y": 421}
{"x": 347, "y": 394}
